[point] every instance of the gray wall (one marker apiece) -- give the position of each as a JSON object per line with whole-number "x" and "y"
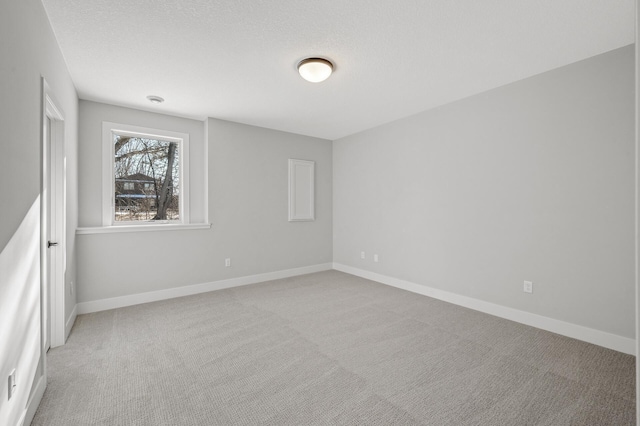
{"x": 637, "y": 217}
{"x": 29, "y": 51}
{"x": 531, "y": 181}
{"x": 92, "y": 114}
{"x": 247, "y": 208}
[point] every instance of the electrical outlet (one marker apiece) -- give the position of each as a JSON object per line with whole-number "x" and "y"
{"x": 528, "y": 287}
{"x": 12, "y": 383}
{"x": 227, "y": 262}
{"x": 362, "y": 256}
{"x": 375, "y": 257}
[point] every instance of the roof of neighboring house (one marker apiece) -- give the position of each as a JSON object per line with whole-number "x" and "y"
{"x": 137, "y": 177}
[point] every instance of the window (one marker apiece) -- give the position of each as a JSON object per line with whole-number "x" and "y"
{"x": 145, "y": 176}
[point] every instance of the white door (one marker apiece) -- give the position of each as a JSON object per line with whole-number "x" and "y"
{"x": 47, "y": 200}
{"x": 53, "y": 224}
{"x": 52, "y": 260}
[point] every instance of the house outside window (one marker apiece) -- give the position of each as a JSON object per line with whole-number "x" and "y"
{"x": 146, "y": 176}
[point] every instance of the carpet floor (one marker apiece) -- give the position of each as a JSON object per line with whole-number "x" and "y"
{"x": 327, "y": 349}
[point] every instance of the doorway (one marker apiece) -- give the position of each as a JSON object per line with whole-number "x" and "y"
{"x": 52, "y": 229}
{"x": 53, "y": 222}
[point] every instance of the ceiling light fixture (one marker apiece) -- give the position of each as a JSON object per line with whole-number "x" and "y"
{"x": 315, "y": 70}
{"x": 155, "y": 99}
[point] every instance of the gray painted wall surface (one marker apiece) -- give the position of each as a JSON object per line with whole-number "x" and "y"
{"x": 29, "y": 51}
{"x": 247, "y": 209}
{"x": 92, "y": 114}
{"x": 637, "y": 215}
{"x": 531, "y": 181}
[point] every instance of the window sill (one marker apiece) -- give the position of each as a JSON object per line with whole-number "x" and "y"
{"x": 141, "y": 228}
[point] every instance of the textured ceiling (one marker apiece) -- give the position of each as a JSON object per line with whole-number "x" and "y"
{"x": 236, "y": 59}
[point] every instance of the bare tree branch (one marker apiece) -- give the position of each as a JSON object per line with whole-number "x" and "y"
{"x": 167, "y": 185}
{"x": 138, "y": 152}
{"x": 120, "y": 142}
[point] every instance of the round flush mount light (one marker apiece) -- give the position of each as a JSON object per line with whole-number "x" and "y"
{"x": 315, "y": 70}
{"x": 155, "y": 99}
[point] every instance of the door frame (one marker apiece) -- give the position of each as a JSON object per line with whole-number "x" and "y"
{"x": 54, "y": 208}
{"x": 51, "y": 154}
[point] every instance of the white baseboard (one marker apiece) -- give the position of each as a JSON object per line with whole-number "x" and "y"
{"x": 590, "y": 335}
{"x": 70, "y": 321}
{"x": 597, "y": 337}
{"x": 153, "y": 296}
{"x": 34, "y": 402}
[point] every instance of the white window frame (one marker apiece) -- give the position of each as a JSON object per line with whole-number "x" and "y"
{"x": 108, "y": 176}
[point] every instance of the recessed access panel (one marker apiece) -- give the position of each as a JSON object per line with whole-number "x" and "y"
{"x": 301, "y": 190}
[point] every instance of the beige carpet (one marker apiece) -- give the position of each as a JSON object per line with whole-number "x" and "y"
{"x": 325, "y": 349}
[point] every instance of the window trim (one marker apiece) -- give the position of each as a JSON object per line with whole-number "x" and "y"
{"x": 108, "y": 177}
{"x": 140, "y": 228}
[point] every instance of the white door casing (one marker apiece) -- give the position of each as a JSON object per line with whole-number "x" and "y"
{"x": 53, "y": 221}
{"x": 52, "y": 225}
